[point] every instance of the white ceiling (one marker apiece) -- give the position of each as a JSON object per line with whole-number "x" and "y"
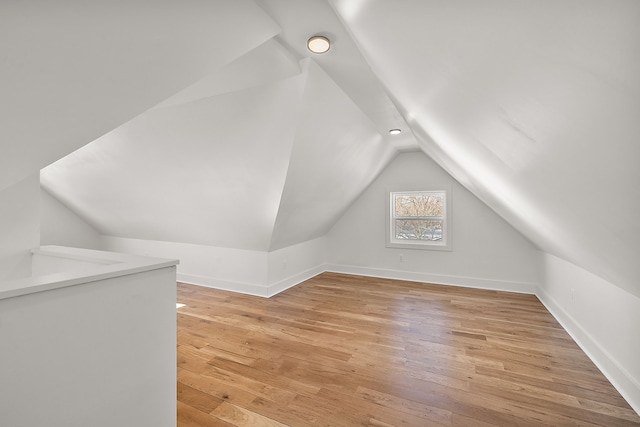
{"x": 72, "y": 70}
{"x": 533, "y": 106}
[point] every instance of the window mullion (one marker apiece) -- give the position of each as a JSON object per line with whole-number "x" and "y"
{"x": 418, "y": 217}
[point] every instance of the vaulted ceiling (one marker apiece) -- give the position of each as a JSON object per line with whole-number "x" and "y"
{"x": 534, "y": 107}
{"x": 211, "y": 123}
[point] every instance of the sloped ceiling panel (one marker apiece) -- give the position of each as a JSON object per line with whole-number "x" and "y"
{"x": 337, "y": 153}
{"x": 534, "y": 109}
{"x": 208, "y": 172}
{"x": 263, "y": 65}
{"x": 72, "y": 70}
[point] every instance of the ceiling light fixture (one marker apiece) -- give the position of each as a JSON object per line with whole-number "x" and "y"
{"x": 395, "y": 131}
{"x": 318, "y": 44}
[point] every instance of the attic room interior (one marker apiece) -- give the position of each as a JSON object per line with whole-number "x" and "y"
{"x": 202, "y": 142}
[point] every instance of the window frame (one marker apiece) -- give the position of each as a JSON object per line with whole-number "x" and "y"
{"x": 443, "y": 245}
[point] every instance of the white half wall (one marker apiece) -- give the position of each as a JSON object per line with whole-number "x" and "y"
{"x": 602, "y": 318}
{"x": 19, "y": 227}
{"x": 486, "y": 253}
{"x": 63, "y": 227}
{"x": 250, "y": 272}
{"x": 90, "y": 347}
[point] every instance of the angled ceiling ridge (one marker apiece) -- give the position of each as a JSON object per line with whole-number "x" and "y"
{"x": 70, "y": 207}
{"x": 336, "y": 153}
{"x": 302, "y": 83}
{"x": 245, "y": 72}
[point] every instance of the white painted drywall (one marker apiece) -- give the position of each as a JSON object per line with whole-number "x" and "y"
{"x": 294, "y": 264}
{"x": 336, "y": 153}
{"x": 208, "y": 172}
{"x": 19, "y": 227}
{"x": 96, "y": 354}
{"x": 252, "y": 168}
{"x": 72, "y": 70}
{"x": 61, "y": 226}
{"x": 487, "y": 252}
{"x": 602, "y": 318}
{"x": 532, "y": 106}
{"x": 231, "y": 269}
{"x": 258, "y": 273}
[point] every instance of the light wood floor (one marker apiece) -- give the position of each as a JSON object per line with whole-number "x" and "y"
{"x": 343, "y": 350}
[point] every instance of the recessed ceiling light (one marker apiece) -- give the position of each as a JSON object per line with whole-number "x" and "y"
{"x": 318, "y": 44}
{"x": 395, "y": 131}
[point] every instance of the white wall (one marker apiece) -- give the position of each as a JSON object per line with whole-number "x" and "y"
{"x": 251, "y": 272}
{"x": 601, "y": 317}
{"x": 19, "y": 227}
{"x": 96, "y": 354}
{"x": 294, "y": 264}
{"x": 223, "y": 268}
{"x": 61, "y": 226}
{"x": 487, "y": 252}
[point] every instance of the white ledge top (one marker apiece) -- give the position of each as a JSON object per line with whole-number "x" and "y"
{"x": 107, "y": 265}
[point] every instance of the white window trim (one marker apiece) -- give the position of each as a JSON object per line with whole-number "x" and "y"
{"x": 447, "y": 238}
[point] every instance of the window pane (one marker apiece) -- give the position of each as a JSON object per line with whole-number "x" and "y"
{"x": 425, "y": 204}
{"x": 418, "y": 229}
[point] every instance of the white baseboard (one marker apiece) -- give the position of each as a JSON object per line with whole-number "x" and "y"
{"x": 250, "y": 288}
{"x": 626, "y": 385}
{"x": 224, "y": 285}
{"x": 467, "y": 282}
{"x": 277, "y": 287}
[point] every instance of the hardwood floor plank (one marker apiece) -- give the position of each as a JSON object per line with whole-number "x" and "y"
{"x": 341, "y": 350}
{"x": 600, "y": 394}
{"x": 431, "y": 415}
{"x": 286, "y": 414}
{"x": 242, "y": 417}
{"x": 564, "y": 411}
{"x": 215, "y": 387}
{"x": 250, "y": 385}
{"x": 614, "y": 411}
{"x": 197, "y": 399}
{"x": 191, "y": 359}
{"x": 188, "y": 416}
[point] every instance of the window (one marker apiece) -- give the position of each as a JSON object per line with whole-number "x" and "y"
{"x": 419, "y": 219}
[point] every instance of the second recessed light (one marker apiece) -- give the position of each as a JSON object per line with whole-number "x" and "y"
{"x": 318, "y": 44}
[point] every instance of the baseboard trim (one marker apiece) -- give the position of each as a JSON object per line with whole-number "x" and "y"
{"x": 626, "y": 385}
{"x": 296, "y": 279}
{"x": 279, "y": 286}
{"x": 466, "y": 282}
{"x": 250, "y": 288}
{"x": 224, "y": 285}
